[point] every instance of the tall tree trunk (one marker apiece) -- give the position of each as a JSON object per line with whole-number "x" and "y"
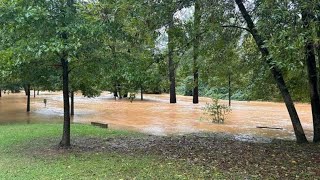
{"x": 318, "y": 54}
{"x": 307, "y": 17}
{"x": 114, "y": 67}
{"x": 260, "y": 41}
{"x": 28, "y": 98}
{"x": 318, "y": 44}
{"x": 229, "y": 88}
{"x": 65, "y": 142}
{"x": 34, "y": 93}
{"x": 172, "y": 73}
{"x": 0, "y": 92}
{"x": 72, "y": 103}
{"x": 141, "y": 90}
{"x": 197, "y": 21}
{"x": 38, "y": 92}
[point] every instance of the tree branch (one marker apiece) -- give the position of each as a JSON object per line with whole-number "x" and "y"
{"x": 235, "y": 26}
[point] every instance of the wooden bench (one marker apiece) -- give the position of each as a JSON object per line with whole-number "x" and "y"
{"x": 102, "y": 125}
{"x": 266, "y": 127}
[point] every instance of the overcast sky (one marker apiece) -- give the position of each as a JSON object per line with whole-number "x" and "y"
{"x": 183, "y": 15}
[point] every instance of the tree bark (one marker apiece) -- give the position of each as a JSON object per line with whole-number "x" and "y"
{"x": 197, "y": 21}
{"x": 318, "y": 44}
{"x": 0, "y": 92}
{"x": 277, "y": 74}
{"x": 229, "y": 88}
{"x": 307, "y": 17}
{"x": 34, "y": 93}
{"x": 65, "y": 142}
{"x": 38, "y": 93}
{"x": 72, "y": 103}
{"x": 28, "y": 98}
{"x": 172, "y": 75}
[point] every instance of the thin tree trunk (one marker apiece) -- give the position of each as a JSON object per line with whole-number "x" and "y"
{"x": 298, "y": 130}
{"x": 114, "y": 56}
{"x": 72, "y": 103}
{"x": 0, "y": 92}
{"x": 38, "y": 93}
{"x": 28, "y": 98}
{"x": 65, "y": 142}
{"x": 312, "y": 75}
{"x": 34, "y": 93}
{"x": 197, "y": 19}
{"x": 229, "y": 88}
{"x": 115, "y": 92}
{"x": 172, "y": 76}
{"x": 119, "y": 90}
{"x": 141, "y": 89}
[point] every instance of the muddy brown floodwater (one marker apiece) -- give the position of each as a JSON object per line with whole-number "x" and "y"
{"x": 156, "y": 116}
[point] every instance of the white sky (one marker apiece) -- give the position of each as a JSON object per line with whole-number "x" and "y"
{"x": 184, "y": 15}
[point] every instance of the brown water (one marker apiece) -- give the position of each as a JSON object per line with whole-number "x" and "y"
{"x": 156, "y": 116}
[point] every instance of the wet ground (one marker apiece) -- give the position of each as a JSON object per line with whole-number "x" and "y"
{"x": 156, "y": 116}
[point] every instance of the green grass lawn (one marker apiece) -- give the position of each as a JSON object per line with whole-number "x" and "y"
{"x": 18, "y": 160}
{"x": 31, "y": 151}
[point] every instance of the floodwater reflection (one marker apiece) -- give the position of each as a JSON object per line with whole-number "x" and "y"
{"x": 156, "y": 116}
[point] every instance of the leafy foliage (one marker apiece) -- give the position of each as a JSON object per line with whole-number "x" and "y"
{"x": 217, "y": 111}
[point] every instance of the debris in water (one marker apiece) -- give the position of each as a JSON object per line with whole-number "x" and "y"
{"x": 266, "y": 127}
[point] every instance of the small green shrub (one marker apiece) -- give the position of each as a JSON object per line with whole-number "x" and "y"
{"x": 216, "y": 111}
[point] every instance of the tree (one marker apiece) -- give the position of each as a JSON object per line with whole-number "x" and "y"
{"x": 51, "y": 33}
{"x": 168, "y": 9}
{"x": 171, "y": 64}
{"x": 307, "y": 17}
{"x": 260, "y": 41}
{"x": 197, "y": 21}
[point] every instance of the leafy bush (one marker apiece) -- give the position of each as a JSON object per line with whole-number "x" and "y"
{"x": 216, "y": 111}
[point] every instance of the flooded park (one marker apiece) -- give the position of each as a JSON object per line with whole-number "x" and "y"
{"x": 150, "y": 69}
{"x": 155, "y": 115}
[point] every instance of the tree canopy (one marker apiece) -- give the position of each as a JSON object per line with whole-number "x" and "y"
{"x": 209, "y": 47}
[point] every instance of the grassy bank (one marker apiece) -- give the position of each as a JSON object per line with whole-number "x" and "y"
{"x": 30, "y": 152}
